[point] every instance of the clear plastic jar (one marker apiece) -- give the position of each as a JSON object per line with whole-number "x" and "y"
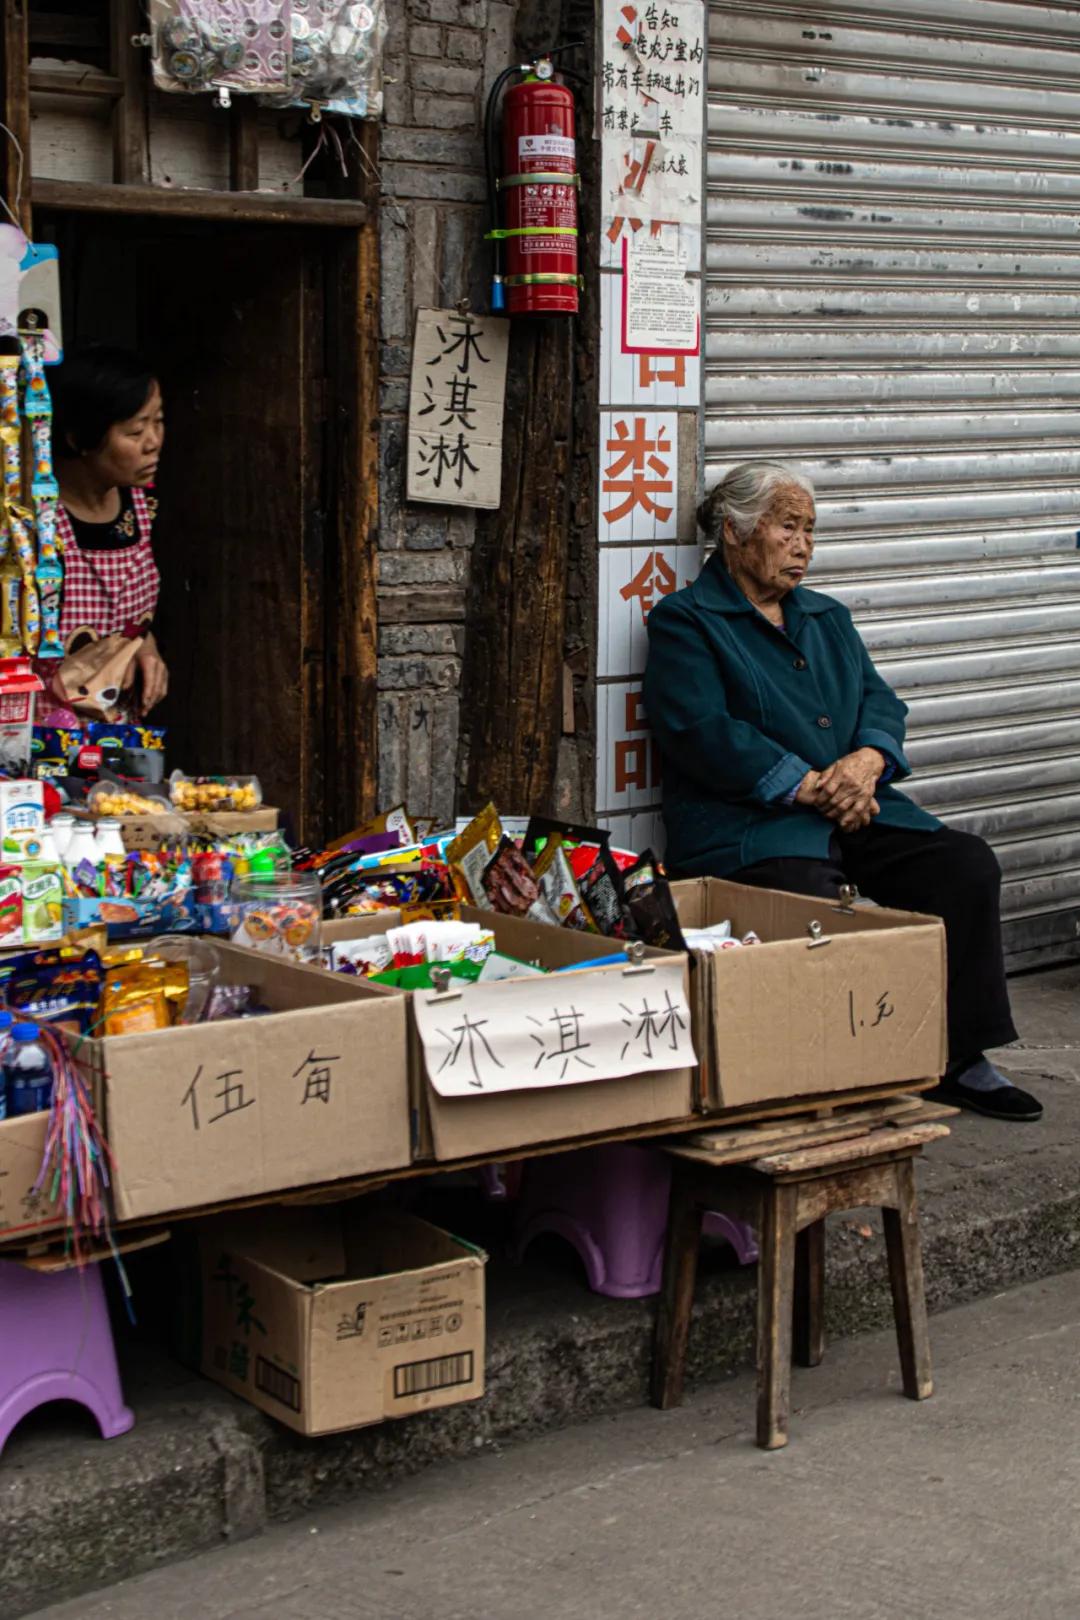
{"x": 279, "y": 912}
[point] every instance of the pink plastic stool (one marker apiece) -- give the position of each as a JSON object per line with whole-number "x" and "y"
{"x": 611, "y": 1204}
{"x": 57, "y": 1346}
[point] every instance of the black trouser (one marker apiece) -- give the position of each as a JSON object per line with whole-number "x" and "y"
{"x": 951, "y": 875}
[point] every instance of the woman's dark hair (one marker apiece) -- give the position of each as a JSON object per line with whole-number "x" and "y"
{"x": 95, "y": 388}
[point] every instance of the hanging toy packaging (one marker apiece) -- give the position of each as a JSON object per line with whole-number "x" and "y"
{"x": 337, "y": 56}
{"x": 43, "y": 582}
{"x": 232, "y": 45}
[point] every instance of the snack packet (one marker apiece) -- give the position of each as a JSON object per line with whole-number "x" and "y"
{"x": 650, "y": 904}
{"x": 512, "y": 888}
{"x": 559, "y": 888}
{"x": 469, "y": 854}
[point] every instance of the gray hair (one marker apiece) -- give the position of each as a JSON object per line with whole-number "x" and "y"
{"x": 744, "y": 494}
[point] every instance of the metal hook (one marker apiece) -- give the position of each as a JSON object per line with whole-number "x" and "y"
{"x": 817, "y": 936}
{"x": 849, "y": 895}
{"x": 440, "y": 978}
{"x": 635, "y": 953}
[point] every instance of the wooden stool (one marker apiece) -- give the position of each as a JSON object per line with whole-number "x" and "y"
{"x": 787, "y": 1196}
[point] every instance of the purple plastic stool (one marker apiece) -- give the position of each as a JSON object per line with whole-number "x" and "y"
{"x": 611, "y": 1204}
{"x": 57, "y": 1346}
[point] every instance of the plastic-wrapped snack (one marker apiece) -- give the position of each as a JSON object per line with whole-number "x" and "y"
{"x": 602, "y": 891}
{"x": 559, "y": 887}
{"x": 469, "y": 854}
{"x": 651, "y": 905}
{"x": 512, "y": 888}
{"x": 361, "y": 957}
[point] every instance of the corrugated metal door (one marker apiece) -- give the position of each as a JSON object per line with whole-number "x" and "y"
{"x": 893, "y": 264}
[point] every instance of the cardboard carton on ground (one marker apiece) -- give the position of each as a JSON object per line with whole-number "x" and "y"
{"x": 24, "y": 1212}
{"x": 862, "y": 1005}
{"x": 559, "y": 1082}
{"x": 315, "y": 1091}
{"x": 332, "y": 1320}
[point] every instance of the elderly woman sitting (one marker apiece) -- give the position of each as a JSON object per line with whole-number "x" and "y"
{"x": 781, "y": 744}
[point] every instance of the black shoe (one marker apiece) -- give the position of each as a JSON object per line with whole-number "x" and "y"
{"x": 1004, "y": 1102}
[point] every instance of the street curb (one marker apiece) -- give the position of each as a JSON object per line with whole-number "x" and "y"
{"x": 201, "y": 1468}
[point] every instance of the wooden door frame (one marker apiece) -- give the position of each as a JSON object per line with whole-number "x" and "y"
{"x": 339, "y": 696}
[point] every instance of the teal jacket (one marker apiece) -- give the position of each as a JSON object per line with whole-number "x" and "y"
{"x": 742, "y": 710}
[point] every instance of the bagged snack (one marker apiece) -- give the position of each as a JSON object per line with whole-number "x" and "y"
{"x": 602, "y": 892}
{"x": 468, "y": 856}
{"x": 206, "y": 795}
{"x": 559, "y": 888}
{"x": 511, "y": 886}
{"x": 651, "y": 906}
{"x": 133, "y": 999}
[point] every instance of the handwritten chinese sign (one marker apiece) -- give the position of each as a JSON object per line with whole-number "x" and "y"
{"x": 556, "y": 1032}
{"x": 651, "y": 112}
{"x": 456, "y": 400}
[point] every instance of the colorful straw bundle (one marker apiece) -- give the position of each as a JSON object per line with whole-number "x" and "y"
{"x": 75, "y": 1168}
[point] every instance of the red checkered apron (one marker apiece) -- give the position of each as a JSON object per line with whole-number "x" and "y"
{"x": 108, "y": 590}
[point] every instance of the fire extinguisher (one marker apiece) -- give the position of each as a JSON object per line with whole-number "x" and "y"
{"x": 538, "y": 185}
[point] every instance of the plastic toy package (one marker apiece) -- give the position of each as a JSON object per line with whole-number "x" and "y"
{"x": 207, "y": 45}
{"x": 337, "y": 56}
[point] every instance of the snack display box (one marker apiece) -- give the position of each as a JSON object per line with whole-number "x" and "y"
{"x": 315, "y": 1090}
{"x": 578, "y": 1052}
{"x": 834, "y": 997}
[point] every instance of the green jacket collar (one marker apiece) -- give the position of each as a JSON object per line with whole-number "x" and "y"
{"x": 716, "y": 592}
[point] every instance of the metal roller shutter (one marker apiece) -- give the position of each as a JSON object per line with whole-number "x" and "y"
{"x": 893, "y": 259}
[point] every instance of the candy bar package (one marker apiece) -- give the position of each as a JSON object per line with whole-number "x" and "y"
{"x": 651, "y": 905}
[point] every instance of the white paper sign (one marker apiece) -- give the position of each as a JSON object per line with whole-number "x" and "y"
{"x": 456, "y": 398}
{"x": 651, "y": 110}
{"x": 639, "y": 463}
{"x": 561, "y": 1030}
{"x": 660, "y": 302}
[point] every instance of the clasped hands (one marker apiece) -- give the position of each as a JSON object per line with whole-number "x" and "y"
{"x": 844, "y": 792}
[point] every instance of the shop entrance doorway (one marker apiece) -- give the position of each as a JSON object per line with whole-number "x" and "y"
{"x": 234, "y": 318}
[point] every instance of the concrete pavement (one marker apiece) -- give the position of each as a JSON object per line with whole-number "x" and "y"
{"x": 880, "y": 1509}
{"x": 1000, "y": 1208}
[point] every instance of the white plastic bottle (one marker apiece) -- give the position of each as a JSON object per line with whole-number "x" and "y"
{"x": 83, "y": 847}
{"x": 108, "y": 839}
{"x": 62, "y": 826}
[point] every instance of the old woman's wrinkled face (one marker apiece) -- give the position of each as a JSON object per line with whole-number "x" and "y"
{"x": 776, "y": 557}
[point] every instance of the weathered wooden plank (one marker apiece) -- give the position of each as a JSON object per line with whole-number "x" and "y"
{"x": 257, "y": 208}
{"x": 15, "y": 110}
{"x": 131, "y": 155}
{"x": 244, "y": 145}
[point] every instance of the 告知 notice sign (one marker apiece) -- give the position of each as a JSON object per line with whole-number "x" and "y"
{"x": 456, "y": 398}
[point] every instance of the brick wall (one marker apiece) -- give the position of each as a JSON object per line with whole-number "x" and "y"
{"x": 441, "y": 58}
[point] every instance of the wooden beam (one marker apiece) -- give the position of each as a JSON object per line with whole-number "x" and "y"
{"x": 15, "y": 109}
{"x": 85, "y": 83}
{"x": 244, "y": 145}
{"x": 352, "y": 721}
{"x": 257, "y": 208}
{"x": 512, "y": 681}
{"x": 131, "y": 145}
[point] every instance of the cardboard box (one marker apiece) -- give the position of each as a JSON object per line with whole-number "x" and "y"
{"x": 316, "y": 1091}
{"x": 790, "y": 1017}
{"x": 479, "y": 1125}
{"x": 333, "y": 1320}
{"x": 23, "y": 1212}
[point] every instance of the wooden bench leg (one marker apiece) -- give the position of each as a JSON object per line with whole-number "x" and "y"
{"x": 776, "y": 1278}
{"x": 810, "y": 1295}
{"x": 681, "y": 1248}
{"x": 908, "y": 1289}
